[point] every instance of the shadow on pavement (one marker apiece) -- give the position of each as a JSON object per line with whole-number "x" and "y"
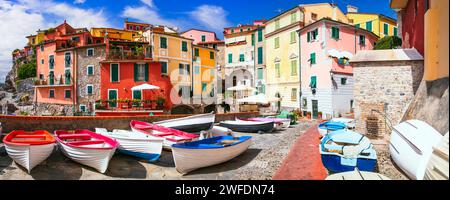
{"x": 124, "y": 166}
{"x": 5, "y": 160}
{"x": 57, "y": 167}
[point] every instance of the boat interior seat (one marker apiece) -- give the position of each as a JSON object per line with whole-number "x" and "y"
{"x": 86, "y": 142}
{"x": 83, "y": 136}
{"x": 209, "y": 145}
{"x": 30, "y": 136}
{"x": 33, "y": 141}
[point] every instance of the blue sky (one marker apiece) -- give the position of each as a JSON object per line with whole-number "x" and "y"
{"x": 19, "y": 18}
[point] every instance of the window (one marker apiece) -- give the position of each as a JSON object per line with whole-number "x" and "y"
{"x": 114, "y": 69}
{"x": 90, "y": 70}
{"x": 137, "y": 28}
{"x": 260, "y": 35}
{"x": 196, "y": 70}
{"x": 294, "y": 17}
{"x": 67, "y": 94}
{"x": 67, "y": 76}
{"x": 314, "y": 16}
{"x": 90, "y": 52}
{"x": 386, "y": 29}
{"x": 232, "y": 30}
{"x": 241, "y": 57}
{"x": 294, "y": 94}
{"x": 51, "y": 62}
{"x": 362, "y": 40}
{"x": 42, "y": 48}
{"x": 204, "y": 85}
{"x": 241, "y": 30}
{"x": 369, "y": 26}
{"x": 42, "y": 61}
{"x": 343, "y": 81}
{"x": 260, "y": 73}
{"x": 98, "y": 41}
{"x": 203, "y": 38}
{"x": 196, "y": 52}
{"x": 41, "y": 76}
{"x": 163, "y": 67}
{"x": 260, "y": 55}
{"x": 140, "y": 72}
{"x": 89, "y": 89}
{"x": 83, "y": 108}
{"x": 211, "y": 55}
{"x": 253, "y": 39}
{"x": 212, "y": 72}
{"x": 277, "y": 24}
{"x": 180, "y": 69}
{"x": 277, "y": 70}
{"x": 313, "y": 82}
{"x": 293, "y": 37}
{"x": 395, "y": 31}
{"x": 137, "y": 94}
{"x": 76, "y": 39}
{"x": 188, "y": 69}
{"x": 293, "y": 67}
{"x": 51, "y": 77}
{"x": 163, "y": 43}
{"x": 312, "y": 58}
{"x": 51, "y": 94}
{"x": 230, "y": 58}
{"x": 357, "y": 25}
{"x": 67, "y": 59}
{"x": 277, "y": 42}
{"x": 335, "y": 32}
{"x": 184, "y": 46}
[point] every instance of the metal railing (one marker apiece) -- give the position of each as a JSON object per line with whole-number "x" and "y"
{"x": 127, "y": 55}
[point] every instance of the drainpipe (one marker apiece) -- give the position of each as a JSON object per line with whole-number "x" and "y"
{"x": 74, "y": 69}
{"x": 300, "y": 68}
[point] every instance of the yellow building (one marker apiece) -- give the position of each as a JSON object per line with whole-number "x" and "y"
{"x": 204, "y": 73}
{"x": 174, "y": 52}
{"x": 282, "y": 49}
{"x": 116, "y": 34}
{"x": 379, "y": 24}
{"x": 36, "y": 39}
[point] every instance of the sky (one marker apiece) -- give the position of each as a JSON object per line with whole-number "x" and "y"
{"x": 20, "y": 18}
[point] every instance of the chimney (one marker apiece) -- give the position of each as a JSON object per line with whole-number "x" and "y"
{"x": 351, "y": 8}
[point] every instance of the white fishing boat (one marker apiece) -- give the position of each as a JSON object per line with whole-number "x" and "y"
{"x": 411, "y": 146}
{"x": 190, "y": 124}
{"x": 350, "y": 123}
{"x": 135, "y": 144}
{"x": 28, "y": 149}
{"x": 437, "y": 168}
{"x": 357, "y": 175}
{"x": 248, "y": 126}
{"x": 88, "y": 148}
{"x": 190, "y": 156}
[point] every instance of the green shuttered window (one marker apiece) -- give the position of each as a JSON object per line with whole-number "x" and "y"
{"x": 203, "y": 38}
{"x": 184, "y": 46}
{"x": 277, "y": 42}
{"x": 241, "y": 58}
{"x": 369, "y": 26}
{"x": 335, "y": 32}
{"x": 114, "y": 72}
{"x": 313, "y": 83}
{"x": 293, "y": 37}
{"x": 51, "y": 94}
{"x": 163, "y": 67}
{"x": 51, "y": 62}
{"x": 313, "y": 58}
{"x": 277, "y": 70}
{"x": 260, "y": 73}
{"x": 90, "y": 70}
{"x": 196, "y": 52}
{"x": 211, "y": 55}
{"x": 89, "y": 89}
{"x": 137, "y": 94}
{"x": 362, "y": 40}
{"x": 253, "y": 39}
{"x": 163, "y": 42}
{"x": 67, "y": 94}
{"x": 386, "y": 29}
{"x": 293, "y": 67}
{"x": 260, "y": 55}
{"x": 140, "y": 72}
{"x": 67, "y": 59}
{"x": 260, "y": 35}
{"x": 395, "y": 31}
{"x": 230, "y": 58}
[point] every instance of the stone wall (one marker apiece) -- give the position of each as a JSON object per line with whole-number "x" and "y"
{"x": 386, "y": 86}
{"x": 51, "y": 123}
{"x": 84, "y": 79}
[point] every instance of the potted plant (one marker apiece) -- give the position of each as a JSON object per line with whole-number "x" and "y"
{"x": 319, "y": 115}
{"x": 308, "y": 115}
{"x": 160, "y": 102}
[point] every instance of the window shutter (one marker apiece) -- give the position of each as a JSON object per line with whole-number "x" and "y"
{"x": 260, "y": 55}
{"x": 337, "y": 33}
{"x": 114, "y": 73}
{"x": 135, "y": 72}
{"x": 188, "y": 69}
{"x": 308, "y": 37}
{"x": 253, "y": 39}
{"x": 146, "y": 72}
{"x": 180, "y": 68}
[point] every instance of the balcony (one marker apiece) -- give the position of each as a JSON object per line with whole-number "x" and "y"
{"x": 127, "y": 55}
{"x": 61, "y": 82}
{"x": 122, "y": 50}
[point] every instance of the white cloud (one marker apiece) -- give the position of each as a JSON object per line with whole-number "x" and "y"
{"x": 210, "y": 16}
{"x": 79, "y": 1}
{"x": 149, "y": 3}
{"x": 24, "y": 17}
{"x": 147, "y": 15}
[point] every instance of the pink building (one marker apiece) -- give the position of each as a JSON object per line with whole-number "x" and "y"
{"x": 200, "y": 36}
{"x": 326, "y": 75}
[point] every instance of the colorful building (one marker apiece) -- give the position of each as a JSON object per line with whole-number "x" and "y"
{"x": 174, "y": 52}
{"x": 204, "y": 75}
{"x": 242, "y": 55}
{"x": 135, "y": 26}
{"x": 99, "y": 34}
{"x": 326, "y": 75}
{"x": 56, "y": 65}
{"x": 381, "y": 25}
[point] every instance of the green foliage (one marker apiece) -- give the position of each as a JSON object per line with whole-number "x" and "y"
{"x": 27, "y": 70}
{"x": 388, "y": 42}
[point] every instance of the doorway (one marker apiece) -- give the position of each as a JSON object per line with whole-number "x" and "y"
{"x": 315, "y": 108}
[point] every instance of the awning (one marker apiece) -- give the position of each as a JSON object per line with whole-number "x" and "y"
{"x": 145, "y": 86}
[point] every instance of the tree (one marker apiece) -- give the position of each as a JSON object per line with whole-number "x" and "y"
{"x": 388, "y": 42}
{"x": 27, "y": 70}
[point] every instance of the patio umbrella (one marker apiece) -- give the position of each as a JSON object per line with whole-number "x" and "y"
{"x": 259, "y": 98}
{"x": 145, "y": 86}
{"x": 241, "y": 88}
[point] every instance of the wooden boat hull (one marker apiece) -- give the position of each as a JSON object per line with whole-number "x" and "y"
{"x": 336, "y": 161}
{"x": 411, "y": 146}
{"x": 87, "y": 148}
{"x": 248, "y": 127}
{"x": 357, "y": 175}
{"x": 438, "y": 167}
{"x": 29, "y": 156}
{"x": 142, "y": 145}
{"x": 191, "y": 124}
{"x": 187, "y": 160}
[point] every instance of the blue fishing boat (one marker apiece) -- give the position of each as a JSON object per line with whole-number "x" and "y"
{"x": 329, "y": 126}
{"x": 343, "y": 150}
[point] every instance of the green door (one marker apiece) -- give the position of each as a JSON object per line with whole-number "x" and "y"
{"x": 112, "y": 95}
{"x": 315, "y": 109}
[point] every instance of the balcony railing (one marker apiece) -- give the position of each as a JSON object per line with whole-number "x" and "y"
{"x": 54, "y": 83}
{"x": 127, "y": 55}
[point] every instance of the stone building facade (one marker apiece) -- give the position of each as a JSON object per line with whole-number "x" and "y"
{"x": 385, "y": 84}
{"x": 88, "y": 73}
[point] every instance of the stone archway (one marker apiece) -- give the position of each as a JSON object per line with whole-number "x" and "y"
{"x": 182, "y": 109}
